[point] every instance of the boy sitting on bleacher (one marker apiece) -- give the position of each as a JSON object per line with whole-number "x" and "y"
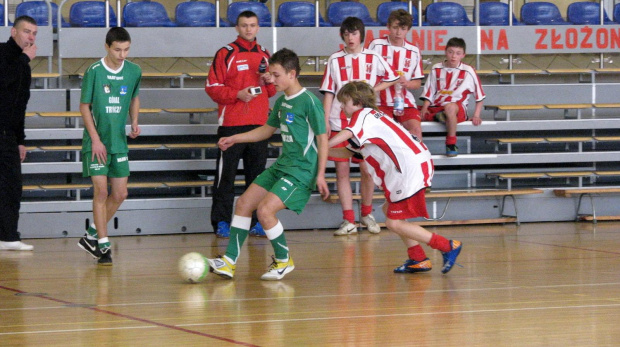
{"x": 447, "y": 90}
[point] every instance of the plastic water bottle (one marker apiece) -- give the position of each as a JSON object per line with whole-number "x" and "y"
{"x": 399, "y": 100}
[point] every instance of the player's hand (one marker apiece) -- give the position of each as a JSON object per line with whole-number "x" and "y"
{"x": 476, "y": 120}
{"x": 30, "y": 51}
{"x": 99, "y": 151}
{"x": 402, "y": 80}
{"x": 322, "y": 187}
{"x": 225, "y": 143}
{"x": 423, "y": 113}
{"x": 245, "y": 95}
{"x": 22, "y": 153}
{"x": 135, "y": 131}
{"x": 266, "y": 78}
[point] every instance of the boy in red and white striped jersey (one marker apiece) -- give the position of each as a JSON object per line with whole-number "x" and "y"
{"x": 352, "y": 63}
{"x": 405, "y": 59}
{"x": 401, "y": 165}
{"x": 446, "y": 93}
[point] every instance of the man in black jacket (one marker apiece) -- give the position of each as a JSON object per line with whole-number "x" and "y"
{"x": 15, "y": 76}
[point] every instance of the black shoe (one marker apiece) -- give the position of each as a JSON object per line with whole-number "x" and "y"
{"x": 90, "y": 246}
{"x": 452, "y": 151}
{"x": 106, "y": 257}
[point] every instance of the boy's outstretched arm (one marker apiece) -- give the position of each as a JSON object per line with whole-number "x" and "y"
{"x": 323, "y": 148}
{"x": 258, "y": 134}
{"x": 342, "y": 136}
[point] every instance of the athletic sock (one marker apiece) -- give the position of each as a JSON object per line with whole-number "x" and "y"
{"x": 416, "y": 253}
{"x": 366, "y": 210}
{"x": 441, "y": 243}
{"x": 104, "y": 243}
{"x": 91, "y": 233}
{"x": 239, "y": 229}
{"x": 278, "y": 241}
{"x": 450, "y": 140}
{"x": 348, "y": 215}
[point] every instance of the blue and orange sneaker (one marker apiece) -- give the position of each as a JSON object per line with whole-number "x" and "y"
{"x": 411, "y": 266}
{"x": 223, "y": 230}
{"x": 449, "y": 258}
{"x": 257, "y": 230}
{"x": 452, "y": 151}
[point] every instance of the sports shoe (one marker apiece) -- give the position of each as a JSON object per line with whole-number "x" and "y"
{"x": 452, "y": 151}
{"x": 449, "y": 258}
{"x": 15, "y": 246}
{"x": 411, "y": 266}
{"x": 223, "y": 230}
{"x": 90, "y": 246}
{"x": 346, "y": 228}
{"x": 440, "y": 117}
{"x": 257, "y": 230}
{"x": 222, "y": 267}
{"x": 106, "y": 257}
{"x": 278, "y": 269}
{"x": 371, "y": 224}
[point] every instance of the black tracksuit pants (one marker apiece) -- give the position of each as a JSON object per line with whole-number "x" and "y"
{"x": 10, "y": 188}
{"x": 254, "y": 157}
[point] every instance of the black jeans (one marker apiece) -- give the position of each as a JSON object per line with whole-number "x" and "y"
{"x": 10, "y": 188}
{"x": 254, "y": 157}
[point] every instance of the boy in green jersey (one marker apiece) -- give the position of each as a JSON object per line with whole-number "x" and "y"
{"x": 289, "y": 182}
{"x": 109, "y": 93}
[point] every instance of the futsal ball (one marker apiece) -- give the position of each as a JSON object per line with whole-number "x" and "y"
{"x": 193, "y": 267}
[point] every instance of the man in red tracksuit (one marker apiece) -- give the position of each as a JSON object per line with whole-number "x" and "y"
{"x": 237, "y": 82}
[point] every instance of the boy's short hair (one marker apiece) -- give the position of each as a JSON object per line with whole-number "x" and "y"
{"x": 24, "y": 18}
{"x": 287, "y": 59}
{"x": 402, "y": 17}
{"x": 351, "y": 24}
{"x": 246, "y": 14}
{"x": 457, "y": 42}
{"x": 361, "y": 93}
{"x": 117, "y": 34}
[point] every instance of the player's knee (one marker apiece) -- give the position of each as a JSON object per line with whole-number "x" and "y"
{"x": 120, "y": 195}
{"x": 242, "y": 207}
{"x": 263, "y": 212}
{"x": 392, "y": 224}
{"x": 100, "y": 193}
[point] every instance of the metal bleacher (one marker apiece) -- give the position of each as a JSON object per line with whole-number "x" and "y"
{"x": 541, "y": 122}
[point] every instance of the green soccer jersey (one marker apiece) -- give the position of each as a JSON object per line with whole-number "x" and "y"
{"x": 300, "y": 118}
{"x": 110, "y": 92}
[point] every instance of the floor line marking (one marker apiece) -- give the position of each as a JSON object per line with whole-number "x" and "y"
{"x": 138, "y": 319}
{"x": 288, "y": 320}
{"x": 568, "y": 247}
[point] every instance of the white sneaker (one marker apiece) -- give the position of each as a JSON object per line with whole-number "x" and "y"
{"x": 15, "y": 246}
{"x": 371, "y": 224}
{"x": 346, "y": 228}
{"x": 278, "y": 269}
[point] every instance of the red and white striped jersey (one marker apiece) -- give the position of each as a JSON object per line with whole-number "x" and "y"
{"x": 400, "y": 165}
{"x": 445, "y": 85}
{"x": 342, "y": 68}
{"x": 405, "y": 58}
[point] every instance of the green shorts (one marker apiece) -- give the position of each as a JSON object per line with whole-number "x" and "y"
{"x": 294, "y": 195}
{"x": 117, "y": 166}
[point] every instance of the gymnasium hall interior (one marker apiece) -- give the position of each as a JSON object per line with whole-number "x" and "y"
{"x": 534, "y": 194}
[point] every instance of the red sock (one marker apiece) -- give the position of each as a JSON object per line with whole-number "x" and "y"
{"x": 366, "y": 210}
{"x": 441, "y": 243}
{"x": 348, "y": 215}
{"x": 450, "y": 140}
{"x": 416, "y": 253}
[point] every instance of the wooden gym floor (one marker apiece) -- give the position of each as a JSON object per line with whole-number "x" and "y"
{"x": 549, "y": 284}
